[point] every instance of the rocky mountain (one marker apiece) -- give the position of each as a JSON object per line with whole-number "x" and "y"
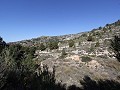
{"x": 77, "y": 55}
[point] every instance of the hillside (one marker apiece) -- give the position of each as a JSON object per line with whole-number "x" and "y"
{"x": 77, "y": 55}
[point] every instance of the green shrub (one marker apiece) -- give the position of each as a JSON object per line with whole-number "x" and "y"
{"x": 100, "y": 28}
{"x": 117, "y": 23}
{"x": 53, "y": 45}
{"x": 86, "y": 59}
{"x": 42, "y": 47}
{"x": 63, "y": 54}
{"x": 71, "y": 43}
{"x": 90, "y": 38}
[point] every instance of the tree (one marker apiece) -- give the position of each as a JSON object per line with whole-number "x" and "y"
{"x": 71, "y": 43}
{"x": 90, "y": 38}
{"x": 115, "y": 46}
{"x": 53, "y": 45}
{"x": 42, "y": 47}
{"x": 117, "y": 23}
{"x": 100, "y": 28}
{"x": 63, "y": 54}
{"x": 2, "y": 44}
{"x": 86, "y": 59}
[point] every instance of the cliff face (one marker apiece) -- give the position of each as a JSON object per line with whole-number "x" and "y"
{"x": 81, "y": 54}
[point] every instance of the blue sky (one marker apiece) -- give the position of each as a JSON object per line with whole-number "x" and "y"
{"x": 26, "y": 19}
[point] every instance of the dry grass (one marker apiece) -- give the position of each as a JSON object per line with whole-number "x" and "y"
{"x": 114, "y": 64}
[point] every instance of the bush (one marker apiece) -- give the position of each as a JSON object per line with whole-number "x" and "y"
{"x": 100, "y": 28}
{"x": 63, "y": 53}
{"x": 90, "y": 38}
{"x": 86, "y": 59}
{"x": 71, "y": 43}
{"x": 117, "y": 23}
{"x": 53, "y": 45}
{"x": 42, "y": 47}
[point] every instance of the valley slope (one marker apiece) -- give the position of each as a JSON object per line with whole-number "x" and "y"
{"x": 77, "y": 55}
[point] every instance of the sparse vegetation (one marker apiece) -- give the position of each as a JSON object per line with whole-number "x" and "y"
{"x": 20, "y": 65}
